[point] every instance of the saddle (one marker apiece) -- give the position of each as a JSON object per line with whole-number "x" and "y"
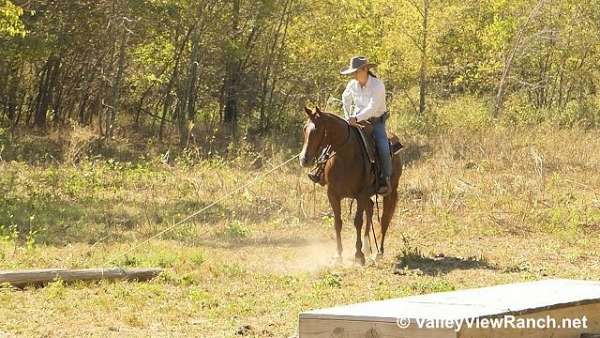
{"x": 365, "y": 132}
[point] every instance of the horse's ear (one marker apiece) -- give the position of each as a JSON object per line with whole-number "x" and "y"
{"x": 318, "y": 112}
{"x": 308, "y": 112}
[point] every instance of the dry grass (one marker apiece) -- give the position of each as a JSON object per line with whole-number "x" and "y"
{"x": 476, "y": 208}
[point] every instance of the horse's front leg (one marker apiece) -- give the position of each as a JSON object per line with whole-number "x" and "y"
{"x": 359, "y": 256}
{"x": 336, "y": 205}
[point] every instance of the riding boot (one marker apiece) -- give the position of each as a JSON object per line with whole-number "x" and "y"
{"x": 386, "y": 187}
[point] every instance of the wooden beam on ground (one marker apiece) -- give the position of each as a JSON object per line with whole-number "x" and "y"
{"x": 43, "y": 276}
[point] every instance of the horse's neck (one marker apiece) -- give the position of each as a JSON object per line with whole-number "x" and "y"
{"x": 344, "y": 140}
{"x": 337, "y": 130}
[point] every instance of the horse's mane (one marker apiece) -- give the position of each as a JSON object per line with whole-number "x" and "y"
{"x": 335, "y": 116}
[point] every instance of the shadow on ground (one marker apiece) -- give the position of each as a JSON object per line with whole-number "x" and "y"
{"x": 412, "y": 263}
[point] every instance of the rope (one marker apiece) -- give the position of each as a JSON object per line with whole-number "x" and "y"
{"x": 378, "y": 220}
{"x": 314, "y": 200}
{"x": 249, "y": 183}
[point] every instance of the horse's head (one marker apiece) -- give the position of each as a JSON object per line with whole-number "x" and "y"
{"x": 314, "y": 137}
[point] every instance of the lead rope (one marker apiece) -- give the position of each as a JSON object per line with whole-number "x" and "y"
{"x": 215, "y": 202}
{"x": 378, "y": 218}
{"x": 314, "y": 199}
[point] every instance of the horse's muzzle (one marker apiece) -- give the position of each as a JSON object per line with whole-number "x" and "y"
{"x": 304, "y": 160}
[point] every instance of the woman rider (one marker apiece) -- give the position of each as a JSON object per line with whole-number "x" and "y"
{"x": 364, "y": 99}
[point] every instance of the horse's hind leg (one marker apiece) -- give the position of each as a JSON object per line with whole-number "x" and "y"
{"x": 389, "y": 202}
{"x": 336, "y": 205}
{"x": 389, "y": 206}
{"x": 359, "y": 257}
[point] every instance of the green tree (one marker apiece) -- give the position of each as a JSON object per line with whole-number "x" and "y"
{"x": 10, "y": 19}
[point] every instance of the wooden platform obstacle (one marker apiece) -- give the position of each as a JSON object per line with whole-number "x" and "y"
{"x": 548, "y": 308}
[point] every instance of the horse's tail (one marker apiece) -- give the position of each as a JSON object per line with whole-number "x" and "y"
{"x": 389, "y": 204}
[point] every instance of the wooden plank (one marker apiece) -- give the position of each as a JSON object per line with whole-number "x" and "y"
{"x": 516, "y": 298}
{"x": 36, "y": 277}
{"x": 559, "y": 297}
{"x": 331, "y": 328}
{"x": 520, "y": 298}
{"x": 328, "y": 328}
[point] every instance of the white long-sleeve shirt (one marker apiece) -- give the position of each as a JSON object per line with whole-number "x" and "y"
{"x": 364, "y": 102}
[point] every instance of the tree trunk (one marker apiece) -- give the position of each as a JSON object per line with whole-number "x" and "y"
{"x": 232, "y": 69}
{"x": 168, "y": 98}
{"x": 12, "y": 97}
{"x": 423, "y": 67}
{"x": 116, "y": 87}
{"x": 266, "y": 96}
{"x": 58, "y": 117}
{"x": 4, "y": 81}
{"x": 45, "y": 90}
{"x": 499, "y": 101}
{"x": 187, "y": 109}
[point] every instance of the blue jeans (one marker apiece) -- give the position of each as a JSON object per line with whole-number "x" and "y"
{"x": 383, "y": 147}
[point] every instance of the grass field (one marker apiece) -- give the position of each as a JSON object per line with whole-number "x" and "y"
{"x": 476, "y": 208}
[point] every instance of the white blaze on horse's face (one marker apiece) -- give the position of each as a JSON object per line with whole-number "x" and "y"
{"x": 309, "y": 135}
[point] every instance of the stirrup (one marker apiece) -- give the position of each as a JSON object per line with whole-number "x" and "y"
{"x": 315, "y": 177}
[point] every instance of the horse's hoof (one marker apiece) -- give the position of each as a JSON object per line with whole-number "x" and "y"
{"x": 359, "y": 259}
{"x": 378, "y": 257}
{"x": 337, "y": 260}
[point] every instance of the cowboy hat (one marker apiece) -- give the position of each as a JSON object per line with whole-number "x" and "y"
{"x": 356, "y": 63}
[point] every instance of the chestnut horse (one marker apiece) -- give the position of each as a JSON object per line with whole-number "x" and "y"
{"x": 348, "y": 174}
